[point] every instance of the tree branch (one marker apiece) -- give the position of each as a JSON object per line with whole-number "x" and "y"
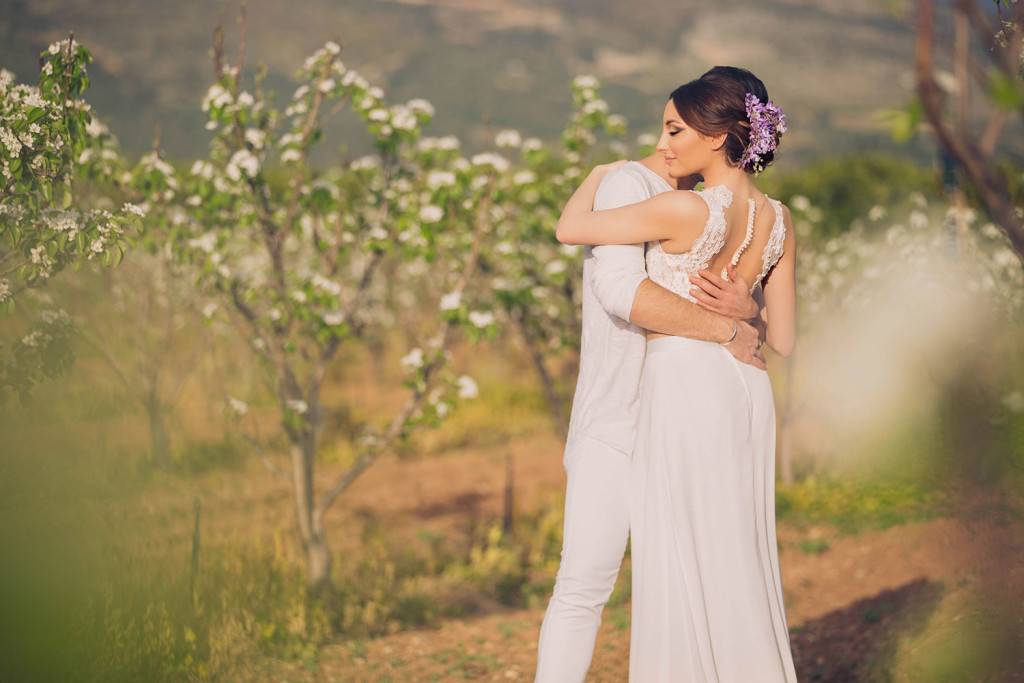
{"x": 991, "y": 189}
{"x": 401, "y": 419}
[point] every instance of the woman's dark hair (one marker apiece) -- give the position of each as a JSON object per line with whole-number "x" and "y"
{"x": 715, "y": 103}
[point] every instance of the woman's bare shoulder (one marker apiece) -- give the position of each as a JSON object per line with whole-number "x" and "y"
{"x": 689, "y": 205}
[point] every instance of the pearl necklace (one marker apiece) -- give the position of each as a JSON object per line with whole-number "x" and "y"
{"x": 746, "y": 242}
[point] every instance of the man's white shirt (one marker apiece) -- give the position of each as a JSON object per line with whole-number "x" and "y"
{"x": 612, "y": 349}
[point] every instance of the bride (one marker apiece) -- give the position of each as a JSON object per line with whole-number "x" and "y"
{"x": 707, "y": 592}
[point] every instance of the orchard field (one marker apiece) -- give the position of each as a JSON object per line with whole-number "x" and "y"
{"x": 276, "y": 413}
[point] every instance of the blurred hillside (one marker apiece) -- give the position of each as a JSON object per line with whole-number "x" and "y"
{"x": 831, "y": 63}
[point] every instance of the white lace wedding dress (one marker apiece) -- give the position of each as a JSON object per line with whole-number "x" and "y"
{"x": 707, "y": 592}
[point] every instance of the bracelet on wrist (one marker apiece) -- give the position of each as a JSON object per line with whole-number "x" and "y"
{"x": 735, "y": 329}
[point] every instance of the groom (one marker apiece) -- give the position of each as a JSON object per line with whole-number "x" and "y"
{"x": 619, "y": 303}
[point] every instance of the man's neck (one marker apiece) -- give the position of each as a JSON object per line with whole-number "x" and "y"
{"x": 656, "y": 162}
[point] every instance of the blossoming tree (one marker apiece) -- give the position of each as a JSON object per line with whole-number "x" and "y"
{"x": 48, "y": 136}
{"x": 534, "y": 281}
{"x": 307, "y": 261}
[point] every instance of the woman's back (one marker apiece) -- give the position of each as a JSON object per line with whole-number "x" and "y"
{"x": 750, "y": 236}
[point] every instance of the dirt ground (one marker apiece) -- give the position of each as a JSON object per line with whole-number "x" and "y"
{"x": 855, "y": 603}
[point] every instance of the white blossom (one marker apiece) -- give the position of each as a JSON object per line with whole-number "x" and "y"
{"x": 420, "y": 106}
{"x": 532, "y": 145}
{"x": 95, "y": 128}
{"x": 333, "y": 318}
{"x": 451, "y": 301}
{"x": 467, "y": 388}
{"x": 255, "y": 137}
{"x": 367, "y": 162}
{"x": 216, "y": 97}
{"x": 243, "y": 160}
{"x": 431, "y": 213}
{"x": 499, "y": 163}
{"x": 586, "y": 82}
{"x": 206, "y": 242}
{"x": 326, "y": 285}
{"x": 555, "y": 268}
{"x": 297, "y": 406}
{"x": 524, "y": 177}
{"x": 646, "y": 140}
{"x": 403, "y": 119}
{"x": 413, "y": 360}
{"x": 508, "y": 138}
{"x": 133, "y": 208}
{"x": 439, "y": 179}
{"x": 481, "y": 318}
{"x": 448, "y": 143}
{"x": 238, "y": 408}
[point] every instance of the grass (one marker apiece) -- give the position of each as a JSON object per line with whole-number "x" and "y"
{"x": 95, "y": 577}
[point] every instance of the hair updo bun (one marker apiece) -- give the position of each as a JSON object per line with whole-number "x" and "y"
{"x": 715, "y": 103}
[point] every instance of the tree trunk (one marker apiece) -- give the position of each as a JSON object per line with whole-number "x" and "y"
{"x": 557, "y": 415}
{"x": 161, "y": 451}
{"x": 311, "y": 530}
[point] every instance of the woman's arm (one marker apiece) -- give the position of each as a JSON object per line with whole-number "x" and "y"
{"x": 663, "y": 216}
{"x": 780, "y": 295}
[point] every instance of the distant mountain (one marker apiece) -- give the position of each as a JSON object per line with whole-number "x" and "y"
{"x": 489, "y": 64}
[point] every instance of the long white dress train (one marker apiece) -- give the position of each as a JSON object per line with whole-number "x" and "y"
{"x": 707, "y": 592}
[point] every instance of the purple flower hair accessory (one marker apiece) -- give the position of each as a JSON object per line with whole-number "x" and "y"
{"x": 767, "y": 123}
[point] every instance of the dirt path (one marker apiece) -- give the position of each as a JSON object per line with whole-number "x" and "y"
{"x": 849, "y": 598}
{"x": 845, "y": 607}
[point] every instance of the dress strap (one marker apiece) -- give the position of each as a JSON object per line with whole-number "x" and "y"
{"x": 746, "y": 241}
{"x": 773, "y": 250}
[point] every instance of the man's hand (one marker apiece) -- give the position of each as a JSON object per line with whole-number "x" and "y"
{"x": 730, "y": 298}
{"x": 604, "y": 169}
{"x": 746, "y": 344}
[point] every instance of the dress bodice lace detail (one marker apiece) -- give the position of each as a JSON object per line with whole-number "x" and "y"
{"x": 672, "y": 271}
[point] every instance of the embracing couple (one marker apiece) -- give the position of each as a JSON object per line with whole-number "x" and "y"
{"x": 684, "y": 458}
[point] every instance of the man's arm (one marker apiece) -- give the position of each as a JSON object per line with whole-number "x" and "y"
{"x": 657, "y": 309}
{"x": 619, "y": 279}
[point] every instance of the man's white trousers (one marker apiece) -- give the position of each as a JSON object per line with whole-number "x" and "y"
{"x": 594, "y": 541}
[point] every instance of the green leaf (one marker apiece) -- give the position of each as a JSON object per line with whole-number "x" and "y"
{"x": 903, "y": 122}
{"x": 1006, "y": 93}
{"x": 36, "y": 113}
